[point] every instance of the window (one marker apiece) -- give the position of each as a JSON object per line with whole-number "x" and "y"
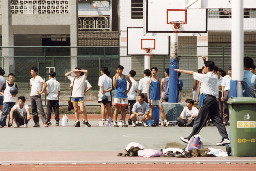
{"x": 137, "y": 9}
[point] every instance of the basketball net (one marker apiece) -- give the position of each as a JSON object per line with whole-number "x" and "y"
{"x": 178, "y": 27}
{"x": 148, "y": 52}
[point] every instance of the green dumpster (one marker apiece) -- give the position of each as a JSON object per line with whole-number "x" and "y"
{"x": 243, "y": 126}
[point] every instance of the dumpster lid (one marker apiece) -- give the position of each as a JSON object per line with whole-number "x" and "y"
{"x": 242, "y": 100}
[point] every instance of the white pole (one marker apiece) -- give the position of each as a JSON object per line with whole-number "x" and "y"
{"x": 238, "y": 43}
{"x": 147, "y": 61}
{"x": 174, "y": 45}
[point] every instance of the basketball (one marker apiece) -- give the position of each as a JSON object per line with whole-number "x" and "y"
{"x": 94, "y": 5}
{"x": 14, "y": 91}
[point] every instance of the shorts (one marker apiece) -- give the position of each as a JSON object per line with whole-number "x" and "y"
{"x": 100, "y": 99}
{"x": 1, "y": 100}
{"x": 120, "y": 101}
{"x": 77, "y": 99}
{"x": 155, "y": 103}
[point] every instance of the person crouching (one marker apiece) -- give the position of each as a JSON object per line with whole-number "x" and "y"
{"x": 188, "y": 114}
{"x": 20, "y": 113}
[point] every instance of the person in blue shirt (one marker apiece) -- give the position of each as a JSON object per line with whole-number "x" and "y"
{"x": 121, "y": 99}
{"x": 249, "y": 78}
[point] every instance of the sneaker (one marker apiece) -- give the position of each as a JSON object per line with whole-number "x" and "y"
{"x": 129, "y": 121}
{"x": 77, "y": 124}
{"x": 185, "y": 140}
{"x": 45, "y": 124}
{"x": 36, "y": 124}
{"x": 87, "y": 124}
{"x": 57, "y": 123}
{"x": 153, "y": 124}
{"x": 165, "y": 123}
{"x": 115, "y": 124}
{"x": 83, "y": 121}
{"x": 25, "y": 125}
{"x": 133, "y": 124}
{"x": 1, "y": 126}
{"x": 124, "y": 124}
{"x": 17, "y": 126}
{"x": 145, "y": 124}
{"x": 49, "y": 123}
{"x": 223, "y": 142}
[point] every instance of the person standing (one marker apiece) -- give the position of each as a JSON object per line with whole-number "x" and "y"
{"x": 2, "y": 82}
{"x": 121, "y": 91}
{"x": 20, "y": 113}
{"x": 36, "y": 83}
{"x": 143, "y": 87}
{"x": 9, "y": 98}
{"x": 132, "y": 93}
{"x": 249, "y": 78}
{"x": 78, "y": 89}
{"x": 210, "y": 107}
{"x": 155, "y": 97}
{"x": 165, "y": 83}
{"x": 105, "y": 86}
{"x": 225, "y": 96}
{"x": 53, "y": 96}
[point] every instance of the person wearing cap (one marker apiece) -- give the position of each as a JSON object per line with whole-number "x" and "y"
{"x": 225, "y": 96}
{"x": 53, "y": 95}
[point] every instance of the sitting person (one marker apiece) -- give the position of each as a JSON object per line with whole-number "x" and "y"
{"x": 188, "y": 114}
{"x": 20, "y": 113}
{"x": 140, "y": 109}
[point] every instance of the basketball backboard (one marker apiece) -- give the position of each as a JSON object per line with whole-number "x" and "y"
{"x": 137, "y": 42}
{"x": 162, "y": 14}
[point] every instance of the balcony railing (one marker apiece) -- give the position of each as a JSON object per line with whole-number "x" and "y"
{"x": 227, "y": 13}
{"x": 39, "y": 6}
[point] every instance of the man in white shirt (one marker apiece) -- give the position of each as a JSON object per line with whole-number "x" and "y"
{"x": 36, "y": 83}
{"x": 132, "y": 93}
{"x": 210, "y": 107}
{"x": 140, "y": 110}
{"x": 188, "y": 114}
{"x": 225, "y": 96}
{"x": 9, "y": 98}
{"x": 105, "y": 86}
{"x": 20, "y": 113}
{"x": 143, "y": 87}
{"x": 78, "y": 89}
{"x": 53, "y": 96}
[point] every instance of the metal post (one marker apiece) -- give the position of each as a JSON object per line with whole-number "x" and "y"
{"x": 237, "y": 46}
{"x": 146, "y": 61}
{"x": 223, "y": 56}
{"x": 173, "y": 75}
{"x": 45, "y": 72}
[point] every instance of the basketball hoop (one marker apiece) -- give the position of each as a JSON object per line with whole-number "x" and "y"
{"x": 177, "y": 26}
{"x": 148, "y": 52}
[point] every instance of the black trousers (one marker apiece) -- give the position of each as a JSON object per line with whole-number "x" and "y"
{"x": 225, "y": 107}
{"x": 209, "y": 109}
{"x": 53, "y": 104}
{"x": 131, "y": 103}
{"x": 20, "y": 119}
{"x": 36, "y": 103}
{"x": 184, "y": 122}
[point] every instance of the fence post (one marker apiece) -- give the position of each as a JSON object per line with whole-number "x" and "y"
{"x": 223, "y": 56}
{"x": 44, "y": 72}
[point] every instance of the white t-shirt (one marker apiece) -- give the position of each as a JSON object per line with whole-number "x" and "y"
{"x": 226, "y": 82}
{"x": 53, "y": 88}
{"x": 209, "y": 83}
{"x": 106, "y": 82}
{"x": 186, "y": 113}
{"x": 87, "y": 85}
{"x": 20, "y": 110}
{"x": 78, "y": 86}
{"x": 132, "y": 93}
{"x": 36, "y": 85}
{"x": 143, "y": 83}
